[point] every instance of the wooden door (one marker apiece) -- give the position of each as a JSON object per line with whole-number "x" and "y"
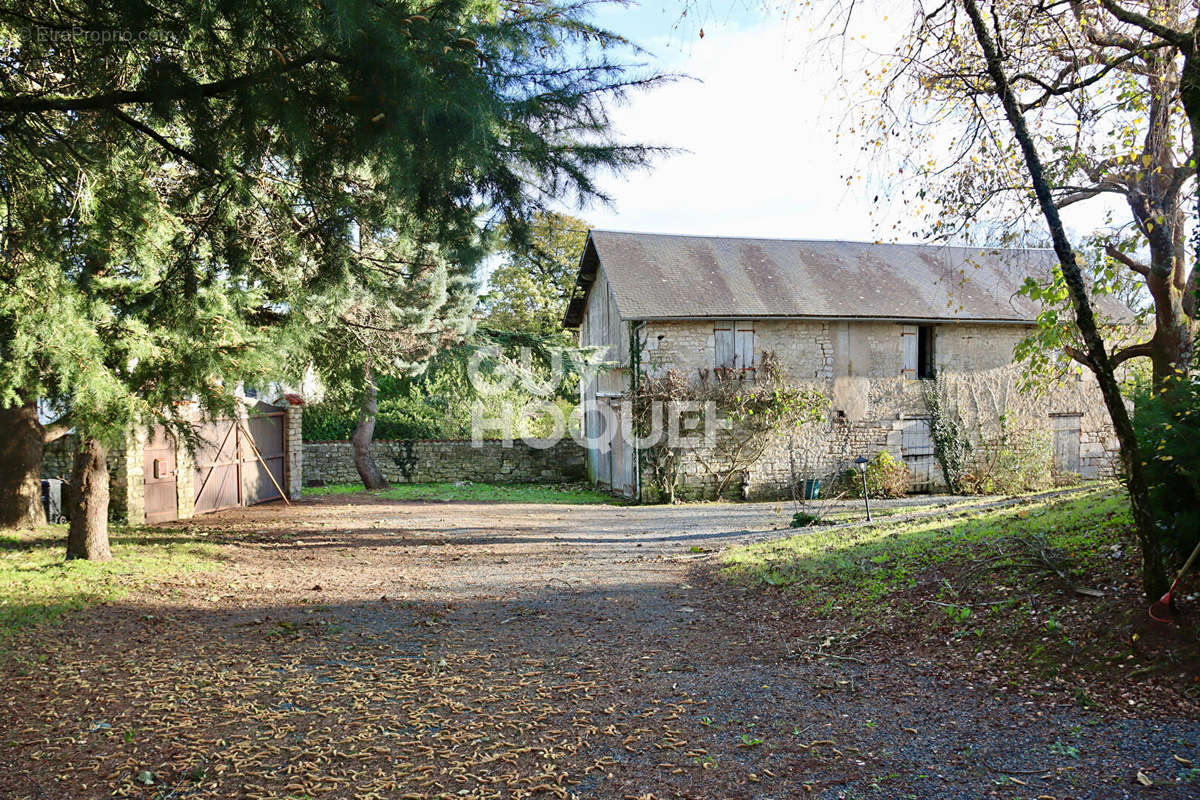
{"x": 1066, "y": 442}
{"x": 603, "y": 438}
{"x": 265, "y": 425}
{"x": 917, "y": 450}
{"x": 218, "y": 466}
{"x": 617, "y": 459}
{"x": 162, "y": 502}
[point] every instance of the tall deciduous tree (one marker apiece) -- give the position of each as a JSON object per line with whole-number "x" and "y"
{"x": 1095, "y": 354}
{"x": 529, "y": 290}
{"x": 1020, "y": 110}
{"x": 179, "y": 183}
{"x": 1103, "y": 103}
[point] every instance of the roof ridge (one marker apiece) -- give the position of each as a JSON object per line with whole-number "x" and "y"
{"x": 929, "y": 246}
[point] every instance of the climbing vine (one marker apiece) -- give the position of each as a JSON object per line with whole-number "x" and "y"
{"x": 747, "y": 409}
{"x": 951, "y": 445}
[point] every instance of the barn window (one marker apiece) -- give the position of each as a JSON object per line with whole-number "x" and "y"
{"x": 918, "y": 351}
{"x": 733, "y": 345}
{"x": 925, "y": 352}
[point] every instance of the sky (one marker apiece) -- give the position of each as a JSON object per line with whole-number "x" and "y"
{"x": 756, "y": 127}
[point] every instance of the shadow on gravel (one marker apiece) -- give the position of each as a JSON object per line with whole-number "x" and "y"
{"x": 602, "y": 694}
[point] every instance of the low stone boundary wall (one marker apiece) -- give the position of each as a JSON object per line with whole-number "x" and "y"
{"x": 446, "y": 461}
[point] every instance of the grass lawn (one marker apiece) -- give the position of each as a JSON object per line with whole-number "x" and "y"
{"x": 867, "y": 564}
{"x": 479, "y": 492}
{"x": 37, "y": 585}
{"x": 1044, "y": 593}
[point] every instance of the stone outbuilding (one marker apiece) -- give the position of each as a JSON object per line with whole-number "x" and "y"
{"x": 868, "y": 324}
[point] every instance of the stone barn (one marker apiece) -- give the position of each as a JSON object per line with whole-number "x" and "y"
{"x": 867, "y": 324}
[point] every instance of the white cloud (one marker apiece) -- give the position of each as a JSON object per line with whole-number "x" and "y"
{"x": 759, "y": 130}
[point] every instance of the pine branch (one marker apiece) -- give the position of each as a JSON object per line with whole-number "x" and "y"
{"x": 25, "y": 104}
{"x": 162, "y": 141}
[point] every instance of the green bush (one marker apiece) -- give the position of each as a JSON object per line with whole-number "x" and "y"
{"x": 1014, "y": 461}
{"x": 323, "y": 422}
{"x": 886, "y": 477}
{"x": 1168, "y": 429}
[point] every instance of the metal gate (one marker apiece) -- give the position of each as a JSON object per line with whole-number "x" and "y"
{"x": 917, "y": 450}
{"x": 229, "y": 472}
{"x": 162, "y": 502}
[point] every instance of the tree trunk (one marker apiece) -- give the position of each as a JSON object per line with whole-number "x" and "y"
{"x": 1154, "y": 575}
{"x": 88, "y": 534}
{"x": 21, "y": 448}
{"x": 364, "y": 432}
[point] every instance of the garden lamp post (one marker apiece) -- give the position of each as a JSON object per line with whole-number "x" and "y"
{"x": 861, "y": 463}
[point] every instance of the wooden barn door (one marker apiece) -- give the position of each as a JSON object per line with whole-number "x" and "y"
{"x": 603, "y": 434}
{"x": 1066, "y": 442}
{"x": 162, "y": 502}
{"x": 617, "y": 454}
{"x": 917, "y": 450}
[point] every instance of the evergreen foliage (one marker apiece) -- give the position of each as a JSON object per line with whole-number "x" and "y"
{"x": 1168, "y": 426}
{"x": 207, "y": 192}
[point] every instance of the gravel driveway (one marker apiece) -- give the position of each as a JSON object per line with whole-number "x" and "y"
{"x": 354, "y": 647}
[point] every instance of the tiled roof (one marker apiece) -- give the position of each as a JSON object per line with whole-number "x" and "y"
{"x": 657, "y": 276}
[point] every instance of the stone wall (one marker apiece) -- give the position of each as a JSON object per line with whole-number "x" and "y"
{"x": 857, "y": 365}
{"x": 438, "y": 461}
{"x": 126, "y": 485}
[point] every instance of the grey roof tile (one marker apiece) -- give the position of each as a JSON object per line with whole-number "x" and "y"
{"x": 659, "y": 276}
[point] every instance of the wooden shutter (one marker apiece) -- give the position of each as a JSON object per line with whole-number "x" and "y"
{"x": 723, "y": 345}
{"x": 908, "y": 339}
{"x": 743, "y": 345}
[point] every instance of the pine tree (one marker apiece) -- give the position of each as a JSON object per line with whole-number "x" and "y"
{"x": 180, "y": 184}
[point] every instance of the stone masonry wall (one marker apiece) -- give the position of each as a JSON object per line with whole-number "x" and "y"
{"x": 126, "y": 486}
{"x": 857, "y": 366}
{"x": 438, "y": 461}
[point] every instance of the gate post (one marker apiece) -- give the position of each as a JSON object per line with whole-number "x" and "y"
{"x": 293, "y": 440}
{"x": 127, "y": 487}
{"x": 185, "y": 470}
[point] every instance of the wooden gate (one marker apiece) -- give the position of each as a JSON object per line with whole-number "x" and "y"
{"x": 228, "y": 472}
{"x": 917, "y": 450}
{"x": 162, "y": 502}
{"x": 1066, "y": 442}
{"x": 267, "y": 434}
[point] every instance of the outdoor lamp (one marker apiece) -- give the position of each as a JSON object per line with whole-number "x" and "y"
{"x": 861, "y": 463}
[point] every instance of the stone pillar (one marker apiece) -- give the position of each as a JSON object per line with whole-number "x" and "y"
{"x": 127, "y": 481}
{"x": 185, "y": 477}
{"x": 185, "y": 469}
{"x": 294, "y": 440}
